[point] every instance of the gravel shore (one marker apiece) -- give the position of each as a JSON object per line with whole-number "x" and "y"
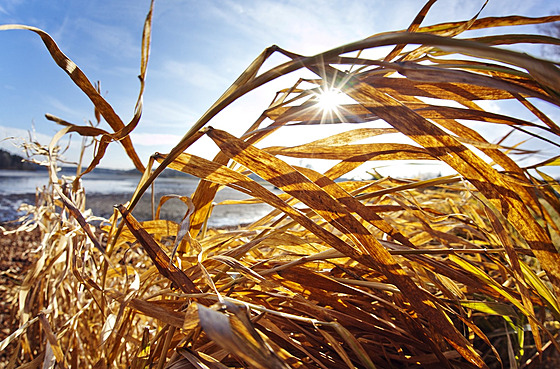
{"x": 15, "y": 258}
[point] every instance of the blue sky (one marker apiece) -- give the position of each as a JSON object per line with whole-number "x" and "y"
{"x": 198, "y": 49}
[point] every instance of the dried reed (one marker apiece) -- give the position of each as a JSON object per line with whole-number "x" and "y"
{"x": 458, "y": 271}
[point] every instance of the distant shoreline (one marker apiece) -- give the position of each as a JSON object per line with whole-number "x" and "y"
{"x": 102, "y": 206}
{"x": 10, "y": 161}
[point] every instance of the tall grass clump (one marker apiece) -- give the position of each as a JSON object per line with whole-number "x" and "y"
{"x": 460, "y": 271}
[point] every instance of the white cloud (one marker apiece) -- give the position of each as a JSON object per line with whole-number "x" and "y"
{"x": 307, "y": 27}
{"x": 61, "y": 107}
{"x": 167, "y": 115}
{"x": 112, "y": 39}
{"x": 155, "y": 139}
{"x": 196, "y": 74}
{"x": 85, "y": 39}
{"x": 9, "y": 6}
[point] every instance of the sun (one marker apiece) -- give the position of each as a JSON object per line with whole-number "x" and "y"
{"x": 329, "y": 100}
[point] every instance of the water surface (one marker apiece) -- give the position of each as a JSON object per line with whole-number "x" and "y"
{"x": 106, "y": 189}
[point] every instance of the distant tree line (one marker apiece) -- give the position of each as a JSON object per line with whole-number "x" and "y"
{"x": 12, "y": 161}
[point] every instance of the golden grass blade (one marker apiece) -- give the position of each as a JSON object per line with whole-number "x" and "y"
{"x": 80, "y": 79}
{"x": 80, "y": 218}
{"x": 409, "y": 186}
{"x": 490, "y": 22}
{"x": 539, "y": 114}
{"x": 369, "y": 251}
{"x": 449, "y": 33}
{"x": 482, "y": 336}
{"x": 216, "y": 173}
{"x": 145, "y": 53}
{"x": 516, "y": 38}
{"x": 158, "y": 256}
{"x": 308, "y": 278}
{"x": 203, "y": 198}
{"x": 15, "y": 334}
{"x": 141, "y": 360}
{"x": 237, "y": 335}
{"x": 460, "y": 92}
{"x": 52, "y": 340}
{"x": 231, "y": 94}
{"x": 471, "y": 166}
{"x": 238, "y": 267}
{"x": 199, "y": 361}
{"x": 338, "y": 348}
{"x": 445, "y": 112}
{"x": 166, "y": 316}
{"x": 421, "y": 73}
{"x": 270, "y": 326}
{"x": 82, "y": 130}
{"x": 158, "y": 228}
{"x": 490, "y": 307}
{"x": 414, "y": 26}
{"x": 541, "y": 288}
{"x": 555, "y": 161}
{"x": 363, "y": 152}
{"x": 354, "y": 345}
{"x": 307, "y": 114}
{"x": 517, "y": 272}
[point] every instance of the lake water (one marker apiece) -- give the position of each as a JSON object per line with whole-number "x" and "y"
{"x": 25, "y": 182}
{"x": 105, "y": 190}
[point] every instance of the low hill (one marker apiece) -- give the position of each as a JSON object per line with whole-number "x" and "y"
{"x": 15, "y": 162}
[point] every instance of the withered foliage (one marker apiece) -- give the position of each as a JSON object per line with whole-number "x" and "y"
{"x": 461, "y": 271}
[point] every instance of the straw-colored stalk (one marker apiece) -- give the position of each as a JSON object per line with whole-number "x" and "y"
{"x": 372, "y": 273}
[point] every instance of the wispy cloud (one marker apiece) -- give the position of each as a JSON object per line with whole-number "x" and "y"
{"x": 312, "y": 26}
{"x": 113, "y": 39}
{"x": 196, "y": 74}
{"x": 61, "y": 107}
{"x": 296, "y": 25}
{"x": 165, "y": 113}
{"x": 8, "y": 7}
{"x": 155, "y": 139}
{"x": 93, "y": 42}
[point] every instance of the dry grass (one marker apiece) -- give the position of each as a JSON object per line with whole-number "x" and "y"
{"x": 459, "y": 272}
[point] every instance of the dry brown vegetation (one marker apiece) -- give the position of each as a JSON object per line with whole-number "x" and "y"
{"x": 461, "y": 271}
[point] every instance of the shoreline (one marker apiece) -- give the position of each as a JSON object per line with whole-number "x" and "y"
{"x": 102, "y": 205}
